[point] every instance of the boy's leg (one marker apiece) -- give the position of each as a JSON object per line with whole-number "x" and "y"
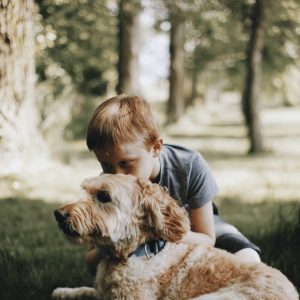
{"x": 230, "y": 239}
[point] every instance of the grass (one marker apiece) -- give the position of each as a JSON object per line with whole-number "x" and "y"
{"x": 35, "y": 258}
{"x": 274, "y": 227}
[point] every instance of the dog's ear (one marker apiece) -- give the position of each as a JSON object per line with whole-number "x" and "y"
{"x": 162, "y": 213}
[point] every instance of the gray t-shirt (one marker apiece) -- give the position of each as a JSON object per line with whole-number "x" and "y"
{"x": 186, "y": 175}
{"x": 189, "y": 180}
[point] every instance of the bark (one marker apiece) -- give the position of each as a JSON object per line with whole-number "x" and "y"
{"x": 194, "y": 92}
{"x": 176, "y": 105}
{"x": 128, "y": 47}
{"x": 20, "y": 141}
{"x": 252, "y": 90}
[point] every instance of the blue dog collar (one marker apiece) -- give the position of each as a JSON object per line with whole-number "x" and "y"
{"x": 150, "y": 248}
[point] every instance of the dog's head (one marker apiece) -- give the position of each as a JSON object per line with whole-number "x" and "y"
{"x": 121, "y": 212}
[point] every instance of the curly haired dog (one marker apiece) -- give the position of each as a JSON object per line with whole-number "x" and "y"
{"x": 118, "y": 213}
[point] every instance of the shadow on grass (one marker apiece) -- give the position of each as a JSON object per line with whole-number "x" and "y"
{"x": 274, "y": 227}
{"x": 35, "y": 258}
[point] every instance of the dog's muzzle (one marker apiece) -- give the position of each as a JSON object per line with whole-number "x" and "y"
{"x": 62, "y": 218}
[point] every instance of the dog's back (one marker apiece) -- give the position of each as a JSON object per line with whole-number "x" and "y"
{"x": 187, "y": 272}
{"x": 216, "y": 274}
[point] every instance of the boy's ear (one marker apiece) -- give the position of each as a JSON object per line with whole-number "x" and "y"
{"x": 157, "y": 146}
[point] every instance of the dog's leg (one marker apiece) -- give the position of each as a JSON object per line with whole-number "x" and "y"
{"x": 74, "y": 293}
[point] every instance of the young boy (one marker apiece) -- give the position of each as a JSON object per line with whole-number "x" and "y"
{"x": 125, "y": 137}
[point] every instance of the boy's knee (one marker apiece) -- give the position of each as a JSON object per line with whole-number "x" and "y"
{"x": 248, "y": 255}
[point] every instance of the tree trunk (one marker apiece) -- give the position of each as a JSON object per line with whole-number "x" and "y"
{"x": 176, "y": 105}
{"x": 252, "y": 88}
{"x": 128, "y": 47}
{"x": 21, "y": 145}
{"x": 194, "y": 93}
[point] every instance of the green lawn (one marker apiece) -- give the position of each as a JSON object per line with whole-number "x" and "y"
{"x": 35, "y": 258}
{"x": 273, "y": 226}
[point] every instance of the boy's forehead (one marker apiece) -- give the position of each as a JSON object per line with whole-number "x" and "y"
{"x": 125, "y": 149}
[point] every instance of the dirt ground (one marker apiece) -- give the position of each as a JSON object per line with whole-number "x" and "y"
{"x": 219, "y": 135}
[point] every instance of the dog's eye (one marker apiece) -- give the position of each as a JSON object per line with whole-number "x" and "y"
{"x": 103, "y": 196}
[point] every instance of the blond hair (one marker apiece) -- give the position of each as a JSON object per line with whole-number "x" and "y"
{"x": 122, "y": 119}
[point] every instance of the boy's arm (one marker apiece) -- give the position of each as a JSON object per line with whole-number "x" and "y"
{"x": 202, "y": 226}
{"x": 93, "y": 258}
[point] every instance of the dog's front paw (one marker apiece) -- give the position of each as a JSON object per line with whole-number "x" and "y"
{"x": 61, "y": 293}
{"x": 74, "y": 293}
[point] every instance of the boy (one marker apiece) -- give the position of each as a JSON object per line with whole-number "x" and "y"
{"x": 125, "y": 137}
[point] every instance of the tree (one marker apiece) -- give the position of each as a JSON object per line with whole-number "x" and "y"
{"x": 183, "y": 14}
{"x": 252, "y": 93}
{"x": 128, "y": 46}
{"x": 216, "y": 40}
{"x": 177, "y": 12}
{"x": 218, "y": 35}
{"x": 21, "y": 144}
{"x": 176, "y": 105}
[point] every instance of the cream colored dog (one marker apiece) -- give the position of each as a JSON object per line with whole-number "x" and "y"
{"x": 118, "y": 213}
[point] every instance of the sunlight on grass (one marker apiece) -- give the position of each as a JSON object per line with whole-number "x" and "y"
{"x": 221, "y": 138}
{"x": 219, "y": 135}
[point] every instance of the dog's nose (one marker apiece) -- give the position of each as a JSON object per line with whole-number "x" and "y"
{"x": 61, "y": 215}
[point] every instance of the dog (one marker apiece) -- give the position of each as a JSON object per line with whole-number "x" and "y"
{"x": 120, "y": 213}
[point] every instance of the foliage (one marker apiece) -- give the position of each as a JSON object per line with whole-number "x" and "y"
{"x": 282, "y": 35}
{"x": 80, "y": 37}
{"x": 218, "y": 32}
{"x": 75, "y": 61}
{"x": 217, "y": 42}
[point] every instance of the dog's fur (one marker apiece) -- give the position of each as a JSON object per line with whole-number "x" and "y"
{"x": 138, "y": 211}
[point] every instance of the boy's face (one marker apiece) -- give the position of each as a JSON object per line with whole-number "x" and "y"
{"x": 131, "y": 158}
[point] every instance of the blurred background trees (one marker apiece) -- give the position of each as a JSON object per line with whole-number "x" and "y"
{"x": 76, "y": 59}
{"x": 86, "y": 50}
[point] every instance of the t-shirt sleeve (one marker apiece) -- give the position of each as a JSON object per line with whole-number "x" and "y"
{"x": 202, "y": 186}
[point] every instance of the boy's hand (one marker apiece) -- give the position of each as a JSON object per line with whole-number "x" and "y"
{"x": 92, "y": 258}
